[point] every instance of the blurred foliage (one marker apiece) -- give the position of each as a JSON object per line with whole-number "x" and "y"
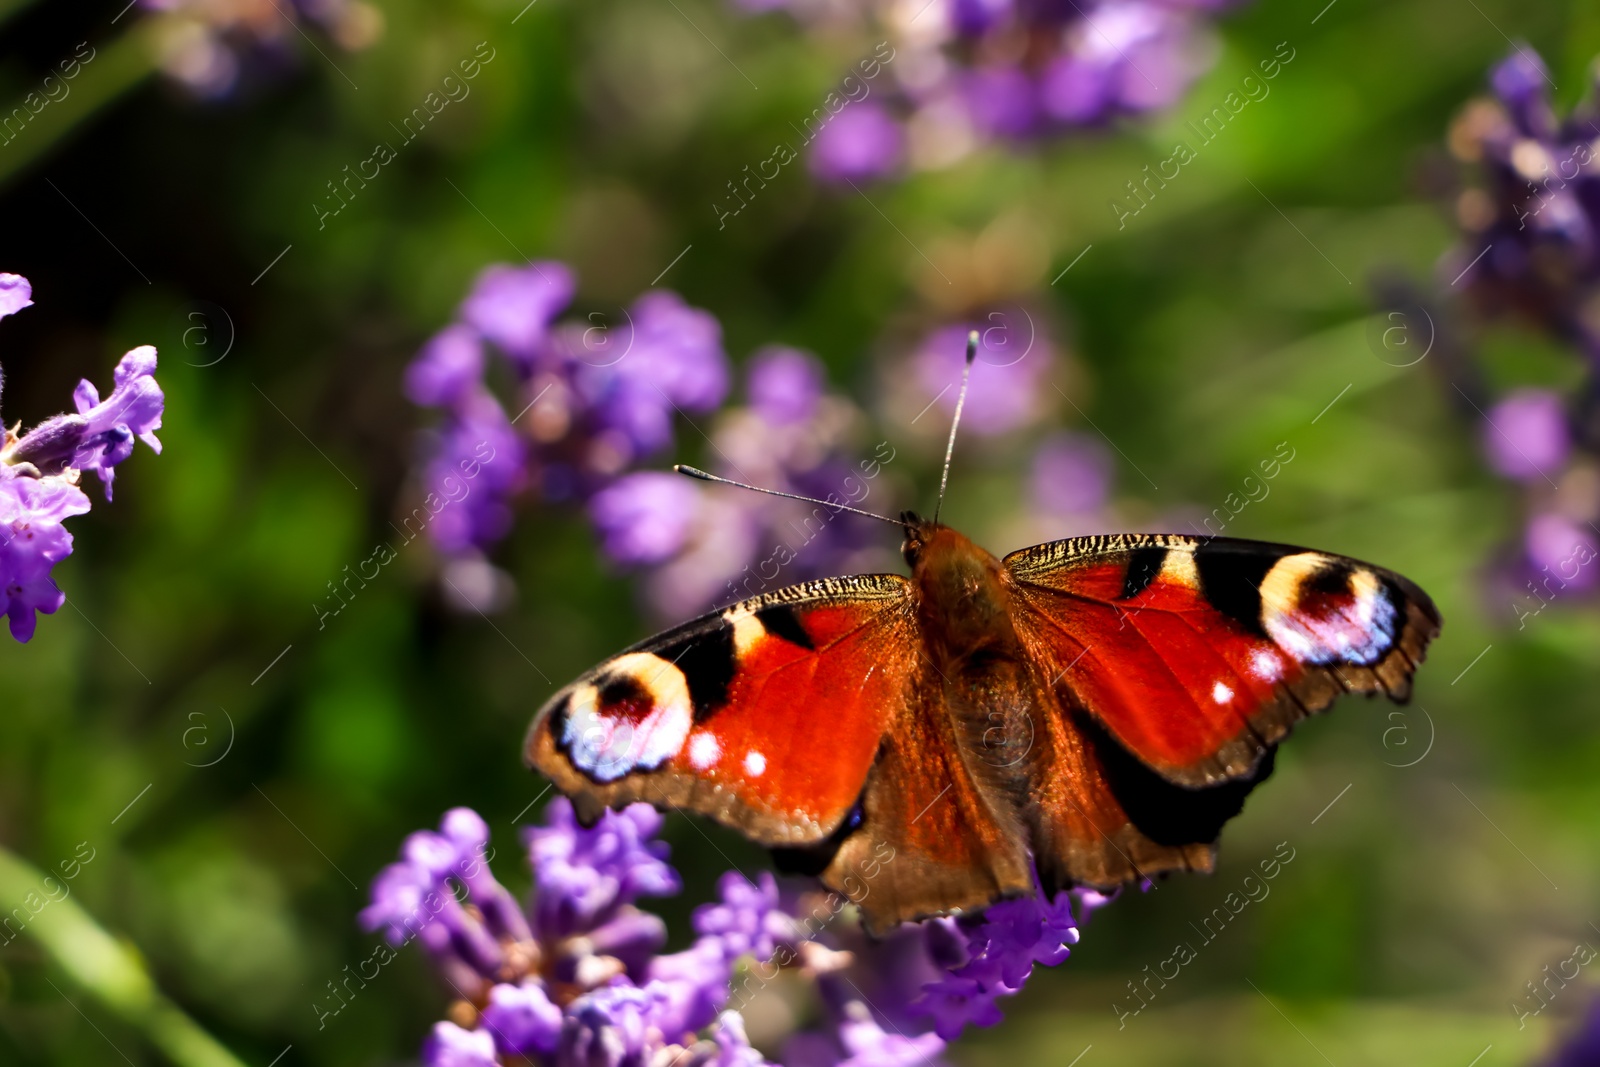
{"x": 1229, "y": 315}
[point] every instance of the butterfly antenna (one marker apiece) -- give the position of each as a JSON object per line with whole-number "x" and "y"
{"x": 961, "y": 399}
{"x": 696, "y": 472}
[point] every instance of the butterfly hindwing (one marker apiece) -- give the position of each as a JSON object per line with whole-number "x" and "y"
{"x": 766, "y": 716}
{"x": 1197, "y": 655}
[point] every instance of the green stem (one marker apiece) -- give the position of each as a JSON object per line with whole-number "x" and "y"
{"x": 107, "y": 969}
{"x": 117, "y": 66}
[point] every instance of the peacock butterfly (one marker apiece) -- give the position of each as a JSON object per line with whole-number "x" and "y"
{"x": 1087, "y": 711}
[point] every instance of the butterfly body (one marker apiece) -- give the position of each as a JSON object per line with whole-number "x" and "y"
{"x": 1087, "y": 711}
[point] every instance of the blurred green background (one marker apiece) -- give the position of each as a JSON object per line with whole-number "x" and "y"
{"x": 1218, "y": 323}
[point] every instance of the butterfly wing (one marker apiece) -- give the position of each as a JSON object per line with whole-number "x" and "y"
{"x": 766, "y": 716}
{"x": 1197, "y": 655}
{"x": 1169, "y": 667}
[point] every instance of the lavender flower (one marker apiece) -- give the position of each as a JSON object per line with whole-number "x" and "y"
{"x": 592, "y": 402}
{"x": 575, "y": 980}
{"x": 1531, "y": 249}
{"x": 1002, "y": 71}
{"x": 40, "y": 471}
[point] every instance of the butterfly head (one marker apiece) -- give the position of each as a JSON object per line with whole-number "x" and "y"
{"x": 929, "y": 543}
{"x": 919, "y": 532}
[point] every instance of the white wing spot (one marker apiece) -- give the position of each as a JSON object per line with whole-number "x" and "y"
{"x": 1266, "y": 665}
{"x": 703, "y": 750}
{"x": 755, "y": 764}
{"x": 1221, "y": 693}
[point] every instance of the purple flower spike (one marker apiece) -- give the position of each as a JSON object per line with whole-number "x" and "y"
{"x": 584, "y": 875}
{"x": 645, "y": 518}
{"x": 587, "y": 990}
{"x": 451, "y": 1046}
{"x": 1526, "y": 437}
{"x": 514, "y": 306}
{"x": 522, "y": 1019}
{"x": 862, "y": 143}
{"x": 16, "y": 293}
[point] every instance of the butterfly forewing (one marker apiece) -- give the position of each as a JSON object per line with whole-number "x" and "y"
{"x": 765, "y": 716}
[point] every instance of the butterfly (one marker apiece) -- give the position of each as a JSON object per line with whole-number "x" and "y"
{"x": 1087, "y": 712}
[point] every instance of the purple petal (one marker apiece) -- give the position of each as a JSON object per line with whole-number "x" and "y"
{"x": 585, "y": 874}
{"x": 1565, "y": 550}
{"x": 451, "y": 1046}
{"x": 1526, "y": 435}
{"x": 785, "y": 384}
{"x": 862, "y": 143}
{"x": 16, "y": 293}
{"x": 974, "y": 18}
{"x": 1522, "y": 81}
{"x": 870, "y": 1045}
{"x": 522, "y": 1019}
{"x": 449, "y": 365}
{"x": 514, "y": 306}
{"x": 749, "y": 920}
{"x": 85, "y": 396}
{"x": 646, "y": 517}
{"x": 32, "y": 541}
